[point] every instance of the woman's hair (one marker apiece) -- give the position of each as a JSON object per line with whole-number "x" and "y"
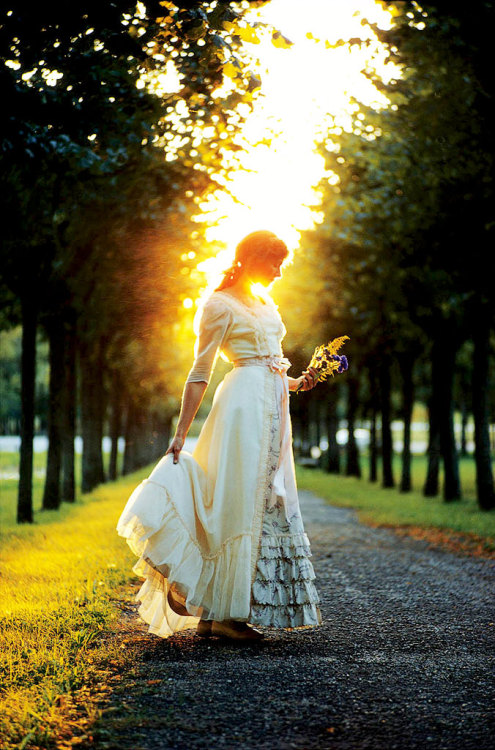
{"x": 260, "y": 246}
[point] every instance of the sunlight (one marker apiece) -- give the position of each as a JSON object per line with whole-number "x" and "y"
{"x": 272, "y": 182}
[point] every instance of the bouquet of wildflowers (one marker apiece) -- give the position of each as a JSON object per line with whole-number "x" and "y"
{"x": 326, "y": 361}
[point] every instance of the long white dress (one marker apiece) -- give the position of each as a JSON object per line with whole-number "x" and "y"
{"x": 222, "y": 527}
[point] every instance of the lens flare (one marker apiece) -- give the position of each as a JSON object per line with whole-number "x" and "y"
{"x": 273, "y": 179}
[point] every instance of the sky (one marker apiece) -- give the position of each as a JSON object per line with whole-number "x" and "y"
{"x": 275, "y": 183}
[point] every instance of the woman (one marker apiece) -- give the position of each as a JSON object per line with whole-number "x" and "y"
{"x": 219, "y": 533}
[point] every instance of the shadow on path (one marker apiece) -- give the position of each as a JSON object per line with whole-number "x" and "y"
{"x": 404, "y": 660}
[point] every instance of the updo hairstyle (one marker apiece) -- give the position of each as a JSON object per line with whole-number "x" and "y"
{"x": 262, "y": 247}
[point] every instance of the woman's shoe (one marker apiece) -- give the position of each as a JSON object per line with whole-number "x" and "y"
{"x": 204, "y": 629}
{"x": 235, "y": 631}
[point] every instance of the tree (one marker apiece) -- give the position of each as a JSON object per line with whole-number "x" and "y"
{"x": 87, "y": 117}
{"x": 454, "y": 114}
{"x": 407, "y": 175}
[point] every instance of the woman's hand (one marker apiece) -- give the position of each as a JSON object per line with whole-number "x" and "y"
{"x": 306, "y": 381}
{"x": 175, "y": 447}
{"x": 191, "y": 399}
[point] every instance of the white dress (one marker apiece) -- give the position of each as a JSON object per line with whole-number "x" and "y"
{"x": 222, "y": 527}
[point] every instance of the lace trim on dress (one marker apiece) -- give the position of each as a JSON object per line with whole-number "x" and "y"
{"x": 264, "y": 470}
{"x": 290, "y": 616}
{"x": 283, "y": 594}
{"x": 256, "y": 319}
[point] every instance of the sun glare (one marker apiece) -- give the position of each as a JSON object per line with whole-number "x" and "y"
{"x": 272, "y": 182}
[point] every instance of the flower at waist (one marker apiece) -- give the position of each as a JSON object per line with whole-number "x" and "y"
{"x": 279, "y": 364}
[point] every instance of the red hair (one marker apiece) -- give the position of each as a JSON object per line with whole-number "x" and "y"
{"x": 261, "y": 246}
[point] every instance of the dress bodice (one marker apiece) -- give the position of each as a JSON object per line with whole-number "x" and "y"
{"x": 236, "y": 329}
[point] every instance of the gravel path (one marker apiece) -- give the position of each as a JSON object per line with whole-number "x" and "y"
{"x": 404, "y": 659}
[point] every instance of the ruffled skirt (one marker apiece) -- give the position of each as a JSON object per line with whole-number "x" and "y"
{"x": 283, "y": 594}
{"x": 206, "y": 528}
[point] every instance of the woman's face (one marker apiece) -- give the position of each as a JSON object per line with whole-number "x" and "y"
{"x": 266, "y": 271}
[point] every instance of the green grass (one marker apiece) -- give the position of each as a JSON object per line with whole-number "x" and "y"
{"x": 9, "y": 465}
{"x": 9, "y": 462}
{"x": 391, "y": 508}
{"x": 61, "y": 579}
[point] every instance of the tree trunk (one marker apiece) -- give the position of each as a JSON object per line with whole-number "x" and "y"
{"x": 129, "y": 463}
{"x": 163, "y": 426}
{"x": 315, "y": 403}
{"x": 115, "y": 424}
{"x": 481, "y": 359}
{"x": 352, "y": 467}
{"x": 332, "y": 422}
{"x": 373, "y": 447}
{"x": 431, "y": 485}
{"x": 443, "y": 368}
{"x": 464, "y": 424}
{"x": 28, "y": 379}
{"x": 91, "y": 369}
{"x": 406, "y": 364}
{"x": 51, "y": 494}
{"x": 387, "y": 447}
{"x": 138, "y": 438}
{"x": 296, "y": 433}
{"x": 69, "y": 416}
{"x": 304, "y": 424}
{"x": 149, "y": 435}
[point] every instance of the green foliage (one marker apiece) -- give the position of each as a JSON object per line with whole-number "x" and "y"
{"x": 415, "y": 184}
{"x": 10, "y": 346}
{"x": 104, "y": 166}
{"x": 10, "y": 379}
{"x": 408, "y": 229}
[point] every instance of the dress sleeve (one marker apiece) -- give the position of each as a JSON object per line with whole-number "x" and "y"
{"x": 214, "y": 325}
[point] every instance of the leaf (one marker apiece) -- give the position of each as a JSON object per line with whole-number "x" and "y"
{"x": 280, "y": 41}
{"x": 230, "y": 70}
{"x": 247, "y": 34}
{"x": 218, "y": 41}
{"x": 194, "y": 29}
{"x": 220, "y": 15}
{"x": 254, "y": 83}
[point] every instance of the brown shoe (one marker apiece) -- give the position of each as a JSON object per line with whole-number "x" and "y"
{"x": 235, "y": 631}
{"x": 204, "y": 629}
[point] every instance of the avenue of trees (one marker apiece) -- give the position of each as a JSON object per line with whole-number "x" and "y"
{"x": 101, "y": 174}
{"x": 104, "y": 163}
{"x": 407, "y": 247}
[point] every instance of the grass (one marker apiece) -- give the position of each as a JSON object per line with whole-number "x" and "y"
{"x": 389, "y": 507}
{"x": 9, "y": 461}
{"x": 61, "y": 580}
{"x": 9, "y": 467}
